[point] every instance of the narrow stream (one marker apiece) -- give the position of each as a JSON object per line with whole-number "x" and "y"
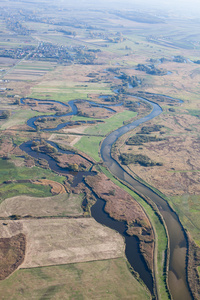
{"x": 178, "y": 243}
{"x": 132, "y": 251}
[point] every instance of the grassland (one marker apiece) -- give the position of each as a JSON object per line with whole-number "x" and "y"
{"x": 10, "y": 172}
{"x": 59, "y": 205}
{"x": 13, "y": 189}
{"x": 69, "y": 83}
{"x": 111, "y": 124}
{"x": 19, "y": 118}
{"x": 188, "y": 208}
{"x": 90, "y": 144}
{"x": 91, "y": 280}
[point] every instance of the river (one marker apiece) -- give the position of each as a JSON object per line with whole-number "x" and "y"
{"x": 177, "y": 239}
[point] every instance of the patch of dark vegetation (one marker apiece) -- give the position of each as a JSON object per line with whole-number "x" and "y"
{"x": 151, "y": 69}
{"x": 12, "y": 253}
{"x": 179, "y": 59}
{"x": 113, "y": 70}
{"x": 142, "y": 160}
{"x": 141, "y": 139}
{"x": 157, "y": 97}
{"x": 15, "y": 217}
{"x": 133, "y": 81}
{"x": 43, "y": 147}
{"x": 149, "y": 129}
{"x": 116, "y": 39}
{"x": 163, "y": 59}
{"x": 5, "y": 114}
{"x": 133, "y": 106}
{"x": 113, "y": 98}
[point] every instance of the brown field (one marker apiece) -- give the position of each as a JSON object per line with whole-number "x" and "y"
{"x": 12, "y": 253}
{"x": 65, "y": 78}
{"x": 60, "y": 205}
{"x": 46, "y": 108}
{"x": 62, "y": 241}
{"x": 87, "y": 110}
{"x": 183, "y": 83}
{"x": 68, "y": 140}
{"x": 179, "y": 154}
{"x": 65, "y": 160}
{"x": 24, "y": 75}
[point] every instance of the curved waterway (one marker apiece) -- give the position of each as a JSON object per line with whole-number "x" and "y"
{"x": 132, "y": 251}
{"x": 178, "y": 243}
{"x": 74, "y": 111}
{"x": 177, "y": 239}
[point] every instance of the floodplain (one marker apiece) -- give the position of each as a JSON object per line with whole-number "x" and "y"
{"x": 116, "y": 62}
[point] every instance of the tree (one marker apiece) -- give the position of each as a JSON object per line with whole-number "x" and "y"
{"x": 5, "y": 114}
{"x": 112, "y": 192}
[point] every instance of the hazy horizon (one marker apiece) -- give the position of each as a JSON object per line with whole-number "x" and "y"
{"x": 178, "y": 6}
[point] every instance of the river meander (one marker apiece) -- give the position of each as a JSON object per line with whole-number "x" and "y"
{"x": 177, "y": 239}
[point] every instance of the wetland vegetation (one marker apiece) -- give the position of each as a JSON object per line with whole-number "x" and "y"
{"x": 108, "y": 63}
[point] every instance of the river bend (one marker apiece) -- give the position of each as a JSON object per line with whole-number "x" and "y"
{"x": 177, "y": 239}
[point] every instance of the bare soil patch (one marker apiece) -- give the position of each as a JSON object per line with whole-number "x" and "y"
{"x": 66, "y": 140}
{"x": 63, "y": 241}
{"x": 12, "y": 253}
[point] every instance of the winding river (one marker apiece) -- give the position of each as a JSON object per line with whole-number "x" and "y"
{"x": 178, "y": 242}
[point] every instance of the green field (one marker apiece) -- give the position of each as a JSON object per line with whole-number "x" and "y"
{"x": 188, "y": 208}
{"x": 107, "y": 279}
{"x": 111, "y": 124}
{"x": 19, "y": 117}
{"x": 90, "y": 144}
{"x": 68, "y": 92}
{"x": 10, "y": 172}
